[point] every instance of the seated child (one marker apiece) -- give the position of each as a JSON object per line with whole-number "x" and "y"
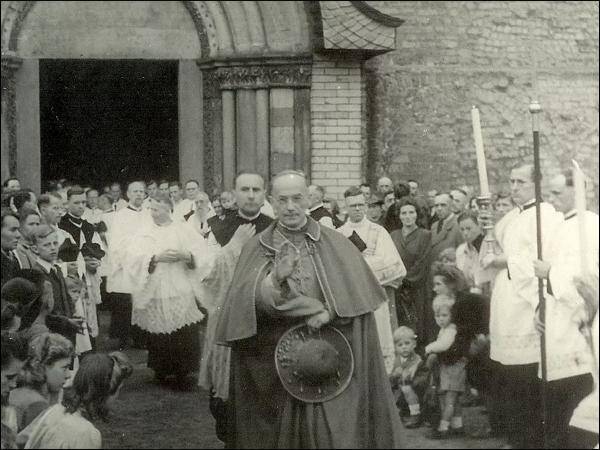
{"x": 409, "y": 377}
{"x": 452, "y": 363}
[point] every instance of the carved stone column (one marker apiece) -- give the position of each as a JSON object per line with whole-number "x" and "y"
{"x": 10, "y": 65}
{"x": 246, "y": 96}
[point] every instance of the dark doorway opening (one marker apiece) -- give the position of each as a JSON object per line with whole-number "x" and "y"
{"x": 108, "y": 120}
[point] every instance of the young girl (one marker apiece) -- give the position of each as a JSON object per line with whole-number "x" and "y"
{"x": 452, "y": 366}
{"x": 71, "y": 423}
{"x": 43, "y": 376}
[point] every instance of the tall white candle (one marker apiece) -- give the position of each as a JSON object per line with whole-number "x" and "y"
{"x": 481, "y": 168}
{"x": 580, "y": 205}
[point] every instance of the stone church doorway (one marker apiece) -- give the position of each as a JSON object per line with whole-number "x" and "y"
{"x": 108, "y": 120}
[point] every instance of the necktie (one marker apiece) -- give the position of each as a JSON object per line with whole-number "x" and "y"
{"x": 440, "y": 225}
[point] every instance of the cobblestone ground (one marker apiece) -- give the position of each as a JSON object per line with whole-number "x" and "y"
{"x": 147, "y": 415}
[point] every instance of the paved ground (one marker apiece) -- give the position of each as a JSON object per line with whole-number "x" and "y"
{"x": 147, "y": 415}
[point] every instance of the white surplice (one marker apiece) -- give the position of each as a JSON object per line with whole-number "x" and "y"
{"x": 124, "y": 226}
{"x": 384, "y": 260}
{"x": 165, "y": 300}
{"x": 567, "y": 352}
{"x": 513, "y": 338}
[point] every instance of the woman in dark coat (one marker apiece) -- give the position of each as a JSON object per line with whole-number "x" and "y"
{"x": 413, "y": 299}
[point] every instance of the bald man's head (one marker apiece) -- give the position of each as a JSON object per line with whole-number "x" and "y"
{"x": 290, "y": 198}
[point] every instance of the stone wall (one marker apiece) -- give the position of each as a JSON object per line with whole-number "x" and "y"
{"x": 496, "y": 55}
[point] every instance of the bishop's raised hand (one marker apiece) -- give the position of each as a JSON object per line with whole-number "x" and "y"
{"x": 286, "y": 262}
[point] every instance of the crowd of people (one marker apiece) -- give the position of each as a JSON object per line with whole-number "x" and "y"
{"x": 434, "y": 297}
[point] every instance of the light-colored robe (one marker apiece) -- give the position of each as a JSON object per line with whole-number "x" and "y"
{"x": 166, "y": 299}
{"x": 567, "y": 352}
{"x": 124, "y": 226}
{"x": 513, "y": 338}
{"x": 384, "y": 260}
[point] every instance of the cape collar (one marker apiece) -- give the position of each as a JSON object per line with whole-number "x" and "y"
{"x": 311, "y": 229}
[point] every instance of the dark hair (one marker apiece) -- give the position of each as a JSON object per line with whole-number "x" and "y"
{"x": 19, "y": 198}
{"x": 175, "y": 183}
{"x": 151, "y": 182}
{"x": 503, "y": 194}
{"x": 76, "y": 190}
{"x": 408, "y": 201}
{"x": 92, "y": 189}
{"x": 453, "y": 277}
{"x": 99, "y": 376}
{"x": 44, "y": 199}
{"x": 401, "y": 190}
{"x": 6, "y": 212}
{"x": 352, "y": 192}
{"x": 412, "y": 180}
{"x": 116, "y": 183}
{"x": 13, "y": 347}
{"x": 8, "y": 314}
{"x": 468, "y": 215}
{"x": 25, "y": 213}
{"x": 568, "y": 174}
{"x": 163, "y": 181}
{"x": 365, "y": 185}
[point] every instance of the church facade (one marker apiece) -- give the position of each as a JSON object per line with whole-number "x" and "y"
{"x": 261, "y": 86}
{"x": 344, "y": 90}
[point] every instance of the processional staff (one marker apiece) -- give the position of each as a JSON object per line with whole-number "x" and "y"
{"x": 535, "y": 109}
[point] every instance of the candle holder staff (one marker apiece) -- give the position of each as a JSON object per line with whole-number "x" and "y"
{"x": 514, "y": 342}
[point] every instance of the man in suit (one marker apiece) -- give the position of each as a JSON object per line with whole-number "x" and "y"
{"x": 10, "y": 239}
{"x": 45, "y": 246}
{"x": 445, "y": 232}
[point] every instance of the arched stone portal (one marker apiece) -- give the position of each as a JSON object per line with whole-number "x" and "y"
{"x": 261, "y": 84}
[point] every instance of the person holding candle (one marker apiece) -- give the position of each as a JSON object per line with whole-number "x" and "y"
{"x": 568, "y": 362}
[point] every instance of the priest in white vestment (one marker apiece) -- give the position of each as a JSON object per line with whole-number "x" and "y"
{"x": 514, "y": 342}
{"x": 569, "y": 362}
{"x": 383, "y": 258}
{"x": 165, "y": 303}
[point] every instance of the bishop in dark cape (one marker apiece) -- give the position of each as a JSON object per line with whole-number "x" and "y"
{"x": 331, "y": 285}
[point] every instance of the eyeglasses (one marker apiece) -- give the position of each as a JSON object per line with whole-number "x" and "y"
{"x": 358, "y": 205}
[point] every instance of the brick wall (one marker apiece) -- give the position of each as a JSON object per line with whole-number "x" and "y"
{"x": 337, "y": 133}
{"x": 496, "y": 55}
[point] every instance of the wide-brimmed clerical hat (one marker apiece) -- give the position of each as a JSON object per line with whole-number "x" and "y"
{"x": 314, "y": 366}
{"x": 92, "y": 250}
{"x": 68, "y": 251}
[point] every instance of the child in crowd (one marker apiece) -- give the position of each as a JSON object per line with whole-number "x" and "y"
{"x": 43, "y": 376}
{"x": 70, "y": 424}
{"x": 447, "y": 257}
{"x": 76, "y": 290}
{"x": 452, "y": 370}
{"x": 409, "y": 376}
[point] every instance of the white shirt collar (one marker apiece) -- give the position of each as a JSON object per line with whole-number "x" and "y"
{"x": 244, "y": 216}
{"x": 45, "y": 265}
